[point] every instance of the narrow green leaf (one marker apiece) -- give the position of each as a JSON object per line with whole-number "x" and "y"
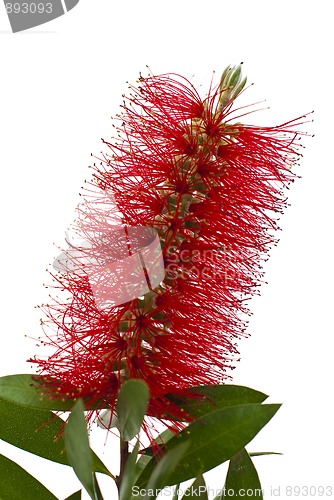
{"x": 161, "y": 440}
{"x": 129, "y": 475}
{"x": 18, "y": 484}
{"x": 242, "y": 477}
{"x": 131, "y": 407}
{"x": 98, "y": 493}
{"x": 197, "y": 489}
{"x": 37, "y": 431}
{"x": 208, "y": 398}
{"x": 261, "y": 453}
{"x": 163, "y": 472}
{"x": 75, "y": 496}
{"x": 142, "y": 463}
{"x": 78, "y": 450}
{"x": 98, "y": 465}
{"x": 215, "y": 438}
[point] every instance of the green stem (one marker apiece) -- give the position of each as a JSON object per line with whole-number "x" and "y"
{"x": 124, "y": 455}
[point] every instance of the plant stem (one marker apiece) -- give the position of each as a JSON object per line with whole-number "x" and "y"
{"x": 124, "y": 455}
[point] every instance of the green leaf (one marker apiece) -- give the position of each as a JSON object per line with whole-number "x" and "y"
{"x": 18, "y": 484}
{"x": 161, "y": 440}
{"x": 242, "y": 477}
{"x": 29, "y": 390}
{"x": 37, "y": 431}
{"x": 131, "y": 407}
{"x": 206, "y": 399}
{"x": 98, "y": 465}
{"x": 129, "y": 475}
{"x": 98, "y": 493}
{"x": 32, "y": 430}
{"x": 75, "y": 496}
{"x": 215, "y": 438}
{"x": 163, "y": 472}
{"x": 142, "y": 463}
{"x": 197, "y": 489}
{"x": 261, "y": 453}
{"x": 78, "y": 450}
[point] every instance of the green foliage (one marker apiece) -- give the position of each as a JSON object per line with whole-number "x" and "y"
{"x": 213, "y": 439}
{"x": 131, "y": 407}
{"x": 37, "y": 431}
{"x": 27, "y": 390}
{"x": 226, "y": 418}
{"x": 161, "y": 440}
{"x": 262, "y": 453}
{"x": 163, "y": 472}
{"x": 75, "y": 496}
{"x": 242, "y": 476}
{"x": 142, "y": 462}
{"x": 79, "y": 452}
{"x": 197, "y": 490}
{"x": 17, "y": 484}
{"x": 129, "y": 476}
{"x": 208, "y": 398}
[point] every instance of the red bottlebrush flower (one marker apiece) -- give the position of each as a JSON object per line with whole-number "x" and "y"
{"x": 210, "y": 188}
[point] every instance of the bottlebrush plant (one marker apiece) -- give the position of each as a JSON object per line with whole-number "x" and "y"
{"x": 166, "y": 249}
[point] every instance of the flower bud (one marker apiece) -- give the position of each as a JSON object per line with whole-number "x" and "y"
{"x": 231, "y": 84}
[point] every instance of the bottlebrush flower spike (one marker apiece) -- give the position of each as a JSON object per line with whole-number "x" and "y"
{"x": 211, "y": 188}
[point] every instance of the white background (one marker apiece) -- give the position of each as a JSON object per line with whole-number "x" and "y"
{"x": 60, "y": 84}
